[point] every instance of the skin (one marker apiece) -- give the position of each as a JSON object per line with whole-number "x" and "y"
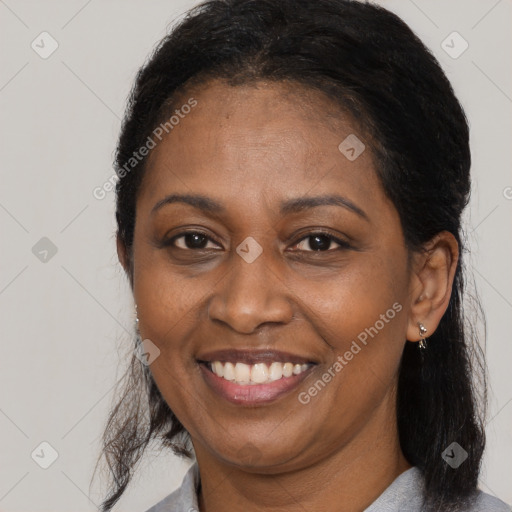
{"x": 249, "y": 148}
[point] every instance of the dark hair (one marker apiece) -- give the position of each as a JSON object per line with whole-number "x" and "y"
{"x": 369, "y": 62}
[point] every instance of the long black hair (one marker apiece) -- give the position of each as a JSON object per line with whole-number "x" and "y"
{"x": 369, "y": 62}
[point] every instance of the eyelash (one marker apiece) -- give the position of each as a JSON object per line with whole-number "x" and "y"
{"x": 342, "y": 243}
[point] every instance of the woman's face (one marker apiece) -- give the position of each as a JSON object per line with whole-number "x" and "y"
{"x": 257, "y": 284}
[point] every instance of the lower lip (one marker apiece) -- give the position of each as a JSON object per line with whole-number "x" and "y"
{"x": 252, "y": 394}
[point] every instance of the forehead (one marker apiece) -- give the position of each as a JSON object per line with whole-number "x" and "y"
{"x": 269, "y": 139}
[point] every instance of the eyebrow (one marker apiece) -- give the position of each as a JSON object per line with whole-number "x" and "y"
{"x": 302, "y": 203}
{"x": 287, "y": 207}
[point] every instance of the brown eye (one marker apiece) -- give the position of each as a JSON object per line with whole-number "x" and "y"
{"x": 191, "y": 240}
{"x": 320, "y": 242}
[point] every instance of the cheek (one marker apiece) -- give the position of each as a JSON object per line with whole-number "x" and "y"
{"x": 360, "y": 315}
{"x": 356, "y": 297}
{"x": 168, "y": 305}
{"x": 167, "y": 302}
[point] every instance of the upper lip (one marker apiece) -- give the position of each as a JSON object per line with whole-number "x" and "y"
{"x": 252, "y": 356}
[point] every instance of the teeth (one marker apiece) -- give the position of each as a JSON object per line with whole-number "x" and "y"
{"x": 242, "y": 373}
{"x": 258, "y": 373}
{"x": 275, "y": 371}
{"x": 218, "y": 369}
{"x": 287, "y": 369}
{"x": 229, "y": 371}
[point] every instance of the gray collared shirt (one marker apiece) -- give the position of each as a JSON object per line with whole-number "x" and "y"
{"x": 403, "y": 495}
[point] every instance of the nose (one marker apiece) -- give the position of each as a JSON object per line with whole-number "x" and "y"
{"x": 252, "y": 294}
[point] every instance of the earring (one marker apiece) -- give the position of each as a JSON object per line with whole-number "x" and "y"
{"x": 137, "y": 332}
{"x": 423, "y": 331}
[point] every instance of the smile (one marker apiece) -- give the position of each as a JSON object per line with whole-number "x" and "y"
{"x": 253, "y": 382}
{"x": 259, "y": 373}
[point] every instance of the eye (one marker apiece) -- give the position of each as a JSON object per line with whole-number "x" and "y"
{"x": 191, "y": 240}
{"x": 314, "y": 242}
{"x": 320, "y": 242}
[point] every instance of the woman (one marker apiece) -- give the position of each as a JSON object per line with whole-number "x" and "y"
{"x": 291, "y": 181}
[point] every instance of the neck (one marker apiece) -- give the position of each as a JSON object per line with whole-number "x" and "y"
{"x": 353, "y": 475}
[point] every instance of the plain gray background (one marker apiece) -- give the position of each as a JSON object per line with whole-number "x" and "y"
{"x": 67, "y": 318}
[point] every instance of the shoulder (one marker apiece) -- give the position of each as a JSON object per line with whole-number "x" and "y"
{"x": 407, "y": 491}
{"x": 184, "y": 498}
{"x": 486, "y": 503}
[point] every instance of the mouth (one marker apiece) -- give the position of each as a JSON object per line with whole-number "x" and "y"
{"x": 253, "y": 377}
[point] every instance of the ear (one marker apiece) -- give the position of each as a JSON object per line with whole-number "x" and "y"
{"x": 122, "y": 254}
{"x": 431, "y": 284}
